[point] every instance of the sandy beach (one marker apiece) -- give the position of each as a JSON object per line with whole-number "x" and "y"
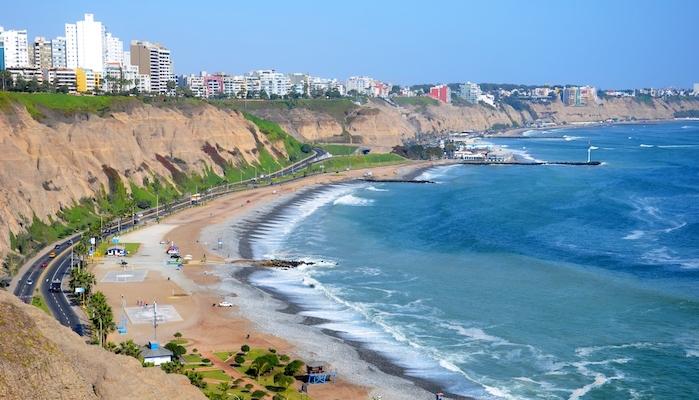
{"x": 215, "y": 274}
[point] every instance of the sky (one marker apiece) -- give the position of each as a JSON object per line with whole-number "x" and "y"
{"x": 608, "y": 44}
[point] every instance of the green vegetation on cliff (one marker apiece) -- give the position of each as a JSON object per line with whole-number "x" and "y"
{"x": 37, "y": 104}
{"x": 420, "y": 101}
{"x": 338, "y": 149}
{"x": 336, "y": 108}
{"x": 340, "y": 163}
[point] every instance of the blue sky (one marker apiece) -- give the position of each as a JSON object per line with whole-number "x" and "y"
{"x": 610, "y": 44}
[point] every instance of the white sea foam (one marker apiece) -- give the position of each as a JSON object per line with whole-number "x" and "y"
{"x": 352, "y": 200}
{"x": 571, "y": 138}
{"x": 646, "y": 145}
{"x": 600, "y": 380}
{"x": 375, "y": 189}
{"x": 635, "y": 235}
{"x": 678, "y": 146}
{"x": 433, "y": 174}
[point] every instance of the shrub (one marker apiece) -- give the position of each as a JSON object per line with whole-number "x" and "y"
{"x": 177, "y": 349}
{"x": 245, "y": 348}
{"x": 249, "y": 386}
{"x": 283, "y": 380}
{"x": 206, "y": 361}
{"x": 278, "y": 397}
{"x": 284, "y": 358}
{"x": 239, "y": 360}
{"x": 194, "y": 350}
{"x": 272, "y": 350}
{"x": 177, "y": 335}
{"x": 258, "y": 394}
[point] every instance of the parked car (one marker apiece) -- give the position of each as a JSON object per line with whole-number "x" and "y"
{"x": 225, "y": 304}
{"x": 44, "y": 265}
{"x": 52, "y": 254}
{"x": 30, "y": 281}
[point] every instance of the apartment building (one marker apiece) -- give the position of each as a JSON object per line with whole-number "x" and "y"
{"x": 155, "y": 61}
{"x": 15, "y": 48}
{"x": 58, "y": 52}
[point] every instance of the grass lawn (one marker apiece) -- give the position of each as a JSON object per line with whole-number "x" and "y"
{"x": 338, "y": 149}
{"x": 180, "y": 341}
{"x": 192, "y": 358}
{"x": 224, "y": 355}
{"x": 215, "y": 374}
{"x": 416, "y": 101}
{"x": 131, "y": 248}
{"x": 39, "y": 302}
{"x": 340, "y": 163}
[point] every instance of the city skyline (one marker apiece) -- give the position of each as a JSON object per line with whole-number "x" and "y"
{"x": 471, "y": 49}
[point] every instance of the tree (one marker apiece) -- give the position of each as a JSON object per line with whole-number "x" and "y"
{"x": 263, "y": 364}
{"x": 196, "y": 379}
{"x": 395, "y": 89}
{"x": 81, "y": 278}
{"x": 223, "y": 387}
{"x": 129, "y": 348}
{"x": 264, "y": 95}
{"x": 283, "y": 380}
{"x": 101, "y": 316}
{"x": 6, "y": 81}
{"x": 171, "y": 85}
{"x": 258, "y": 394}
{"x": 245, "y": 348}
{"x": 239, "y": 359}
{"x": 176, "y": 349}
{"x": 177, "y": 334}
{"x": 293, "y": 368}
{"x": 171, "y": 367}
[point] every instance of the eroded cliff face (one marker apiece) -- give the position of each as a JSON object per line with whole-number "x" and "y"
{"x": 49, "y": 165}
{"x": 381, "y": 124}
{"x": 41, "y": 359}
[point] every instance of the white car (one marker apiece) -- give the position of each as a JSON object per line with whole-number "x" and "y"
{"x": 225, "y": 304}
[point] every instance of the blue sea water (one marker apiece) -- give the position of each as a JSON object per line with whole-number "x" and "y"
{"x": 534, "y": 282}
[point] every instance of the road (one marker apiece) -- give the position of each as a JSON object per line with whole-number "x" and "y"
{"x": 58, "y": 302}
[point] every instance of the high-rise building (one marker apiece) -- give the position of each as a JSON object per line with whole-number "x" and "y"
{"x": 579, "y": 96}
{"x": 87, "y": 80}
{"x": 2, "y": 51}
{"x": 15, "y": 48}
{"x": 71, "y": 31}
{"x": 114, "y": 49}
{"x": 155, "y": 61}
{"x": 58, "y": 52}
{"x": 470, "y": 92}
{"x": 272, "y": 82}
{"x": 441, "y": 93}
{"x": 360, "y": 84}
{"x": 90, "y": 41}
{"x": 42, "y": 58}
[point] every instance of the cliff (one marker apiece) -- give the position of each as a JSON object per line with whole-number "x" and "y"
{"x": 378, "y": 123}
{"x": 41, "y": 359}
{"x": 50, "y": 165}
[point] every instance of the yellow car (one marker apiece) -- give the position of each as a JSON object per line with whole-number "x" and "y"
{"x": 52, "y": 254}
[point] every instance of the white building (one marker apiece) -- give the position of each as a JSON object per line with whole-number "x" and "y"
{"x": 272, "y": 82}
{"x": 360, "y": 84}
{"x": 155, "y": 61}
{"x": 16, "y": 48}
{"x": 470, "y": 92}
{"x": 153, "y": 353}
{"x": 234, "y": 86}
{"x": 696, "y": 89}
{"x": 71, "y": 31}
{"x": 63, "y": 78}
{"x": 114, "y": 49}
{"x": 58, "y": 52}
{"x": 85, "y": 44}
{"x": 118, "y": 77}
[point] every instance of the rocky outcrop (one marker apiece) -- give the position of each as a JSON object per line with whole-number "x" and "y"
{"x": 41, "y": 359}
{"x": 47, "y": 165}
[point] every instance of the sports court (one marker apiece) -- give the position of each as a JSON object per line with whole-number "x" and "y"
{"x": 144, "y": 315}
{"x": 126, "y": 276}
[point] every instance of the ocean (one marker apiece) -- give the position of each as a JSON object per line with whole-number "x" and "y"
{"x": 520, "y": 282}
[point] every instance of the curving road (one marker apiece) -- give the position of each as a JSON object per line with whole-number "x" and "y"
{"x": 58, "y": 302}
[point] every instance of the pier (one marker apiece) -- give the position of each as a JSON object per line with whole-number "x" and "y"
{"x": 396, "y": 180}
{"x": 577, "y": 163}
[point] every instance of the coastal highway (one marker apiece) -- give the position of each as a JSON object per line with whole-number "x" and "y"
{"x": 58, "y": 302}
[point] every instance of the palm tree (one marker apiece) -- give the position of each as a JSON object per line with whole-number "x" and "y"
{"x": 101, "y": 316}
{"x": 82, "y": 278}
{"x": 129, "y": 348}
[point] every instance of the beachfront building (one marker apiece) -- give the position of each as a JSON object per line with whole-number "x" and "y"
{"x": 27, "y": 74}
{"x": 470, "y": 92}
{"x": 63, "y": 79}
{"x": 441, "y": 93}
{"x": 154, "y": 60}
{"x": 58, "y": 52}
{"x": 119, "y": 77}
{"x": 696, "y": 89}
{"x": 113, "y": 49}
{"x": 299, "y": 83}
{"x": 579, "y": 96}
{"x": 15, "y": 48}
{"x": 41, "y": 52}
